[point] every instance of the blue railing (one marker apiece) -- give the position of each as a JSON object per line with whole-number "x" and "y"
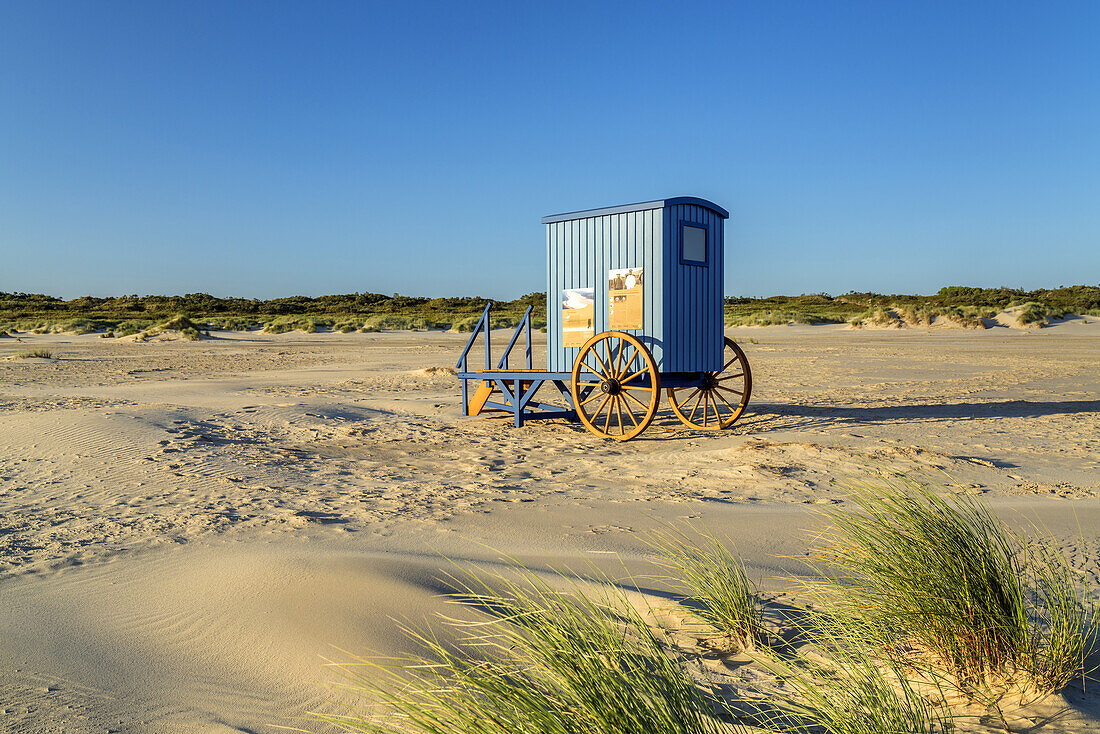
{"x": 484, "y": 325}
{"x": 524, "y": 326}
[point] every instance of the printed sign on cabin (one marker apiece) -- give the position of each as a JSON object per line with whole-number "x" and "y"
{"x": 624, "y": 298}
{"x": 578, "y": 316}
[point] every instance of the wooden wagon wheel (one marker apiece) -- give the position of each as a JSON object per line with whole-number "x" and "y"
{"x": 616, "y": 386}
{"x": 722, "y": 397}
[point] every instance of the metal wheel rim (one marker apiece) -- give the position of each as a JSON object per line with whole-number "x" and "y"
{"x": 722, "y": 406}
{"x": 621, "y": 414}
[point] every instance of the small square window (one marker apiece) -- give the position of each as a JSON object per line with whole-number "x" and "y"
{"x": 694, "y": 244}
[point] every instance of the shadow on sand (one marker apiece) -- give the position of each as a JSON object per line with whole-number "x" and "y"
{"x": 827, "y": 415}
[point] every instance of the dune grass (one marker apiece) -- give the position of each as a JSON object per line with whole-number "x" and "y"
{"x": 939, "y": 575}
{"x": 841, "y": 685}
{"x": 970, "y": 317}
{"x": 923, "y": 598}
{"x": 540, "y": 660}
{"x": 1038, "y": 314}
{"x": 35, "y": 354}
{"x": 713, "y": 581}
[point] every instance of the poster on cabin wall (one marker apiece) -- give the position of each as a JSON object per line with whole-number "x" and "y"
{"x": 578, "y": 316}
{"x": 624, "y": 298}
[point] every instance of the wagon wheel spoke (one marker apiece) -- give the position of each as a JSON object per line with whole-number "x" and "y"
{"x": 594, "y": 370}
{"x": 599, "y": 408}
{"x": 626, "y": 365}
{"x": 590, "y": 398}
{"x": 604, "y": 369}
{"x": 604, "y": 361}
{"x": 685, "y": 400}
{"x": 696, "y": 406}
{"x": 619, "y": 361}
{"x": 719, "y": 396}
{"x": 641, "y": 405}
{"x": 630, "y": 377}
{"x": 630, "y": 412}
{"x": 735, "y": 378}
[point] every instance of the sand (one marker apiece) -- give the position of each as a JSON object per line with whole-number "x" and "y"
{"x": 187, "y": 529}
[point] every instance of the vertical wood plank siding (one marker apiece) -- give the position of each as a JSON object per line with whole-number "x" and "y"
{"x": 693, "y": 294}
{"x": 682, "y": 305}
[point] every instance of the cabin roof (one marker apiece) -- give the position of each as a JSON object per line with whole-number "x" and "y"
{"x": 639, "y": 207}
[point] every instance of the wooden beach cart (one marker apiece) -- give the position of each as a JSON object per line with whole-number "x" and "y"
{"x": 633, "y": 307}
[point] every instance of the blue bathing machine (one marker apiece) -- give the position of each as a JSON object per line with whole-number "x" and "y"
{"x": 676, "y": 249}
{"x": 634, "y": 302}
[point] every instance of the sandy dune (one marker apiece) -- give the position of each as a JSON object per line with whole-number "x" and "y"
{"x": 187, "y": 528}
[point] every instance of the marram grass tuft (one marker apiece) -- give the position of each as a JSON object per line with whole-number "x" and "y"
{"x": 540, "y": 661}
{"x": 714, "y": 583}
{"x": 937, "y": 574}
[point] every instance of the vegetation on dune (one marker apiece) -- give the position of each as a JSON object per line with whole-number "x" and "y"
{"x": 541, "y": 659}
{"x": 127, "y": 315}
{"x": 963, "y": 306}
{"x": 937, "y": 576}
{"x": 35, "y": 354}
{"x": 927, "y": 610}
{"x": 714, "y": 582}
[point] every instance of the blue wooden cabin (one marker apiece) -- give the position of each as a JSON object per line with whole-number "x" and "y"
{"x": 682, "y": 322}
{"x": 634, "y": 307}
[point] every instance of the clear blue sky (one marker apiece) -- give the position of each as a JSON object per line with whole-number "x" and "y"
{"x": 267, "y": 149}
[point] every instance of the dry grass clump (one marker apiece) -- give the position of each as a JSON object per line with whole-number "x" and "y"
{"x": 939, "y": 576}
{"x": 35, "y": 354}
{"x": 714, "y": 582}
{"x": 540, "y": 660}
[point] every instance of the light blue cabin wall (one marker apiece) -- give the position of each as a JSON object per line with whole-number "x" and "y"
{"x": 580, "y": 253}
{"x": 693, "y": 294}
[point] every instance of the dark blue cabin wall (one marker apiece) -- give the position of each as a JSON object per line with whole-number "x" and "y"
{"x": 693, "y": 305}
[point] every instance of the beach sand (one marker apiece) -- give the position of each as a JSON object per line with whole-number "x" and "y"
{"x": 188, "y": 529}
